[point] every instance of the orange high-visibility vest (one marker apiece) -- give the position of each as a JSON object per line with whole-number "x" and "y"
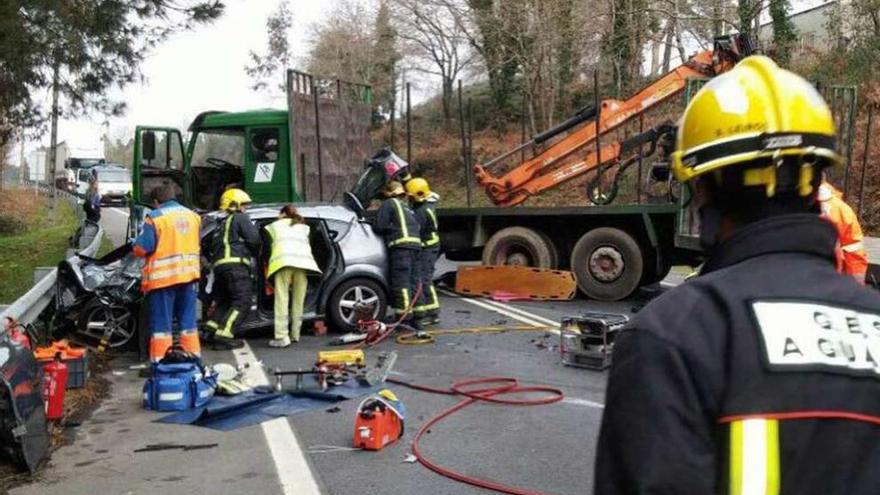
{"x": 852, "y": 259}
{"x": 176, "y": 258}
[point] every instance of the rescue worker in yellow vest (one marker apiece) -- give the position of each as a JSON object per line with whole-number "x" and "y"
{"x": 424, "y": 203}
{"x": 762, "y": 374}
{"x": 852, "y": 258}
{"x": 170, "y": 244}
{"x": 232, "y": 253}
{"x": 290, "y": 260}
{"x": 396, "y": 222}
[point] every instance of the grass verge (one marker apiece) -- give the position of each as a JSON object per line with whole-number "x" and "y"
{"x": 43, "y": 243}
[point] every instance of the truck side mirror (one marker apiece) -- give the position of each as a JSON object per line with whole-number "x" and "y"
{"x": 148, "y": 145}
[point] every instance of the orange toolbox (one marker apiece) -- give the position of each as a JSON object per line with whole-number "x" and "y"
{"x": 76, "y": 359}
{"x": 379, "y": 421}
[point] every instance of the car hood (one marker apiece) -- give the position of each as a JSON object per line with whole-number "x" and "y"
{"x": 108, "y": 187}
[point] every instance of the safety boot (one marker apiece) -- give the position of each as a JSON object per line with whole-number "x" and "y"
{"x": 225, "y": 340}
{"x": 280, "y": 343}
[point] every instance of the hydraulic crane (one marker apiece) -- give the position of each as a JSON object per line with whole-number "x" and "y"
{"x": 543, "y": 170}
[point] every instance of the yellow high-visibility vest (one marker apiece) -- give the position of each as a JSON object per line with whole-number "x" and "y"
{"x": 290, "y": 247}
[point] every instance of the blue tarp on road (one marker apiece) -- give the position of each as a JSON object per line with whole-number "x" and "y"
{"x": 231, "y": 413}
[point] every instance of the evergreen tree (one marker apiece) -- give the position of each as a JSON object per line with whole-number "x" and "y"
{"x": 83, "y": 48}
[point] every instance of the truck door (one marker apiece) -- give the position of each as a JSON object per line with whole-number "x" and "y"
{"x": 268, "y": 172}
{"x": 158, "y": 158}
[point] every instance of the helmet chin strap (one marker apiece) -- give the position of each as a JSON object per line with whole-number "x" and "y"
{"x": 710, "y": 227}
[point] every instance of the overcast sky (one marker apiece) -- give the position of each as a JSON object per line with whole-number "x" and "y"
{"x": 200, "y": 70}
{"x": 204, "y": 70}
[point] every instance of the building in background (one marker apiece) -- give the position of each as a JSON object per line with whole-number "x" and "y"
{"x": 813, "y": 27}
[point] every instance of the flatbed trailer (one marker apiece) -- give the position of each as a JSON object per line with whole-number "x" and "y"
{"x": 612, "y": 249}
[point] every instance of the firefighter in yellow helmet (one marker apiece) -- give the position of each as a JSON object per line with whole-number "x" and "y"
{"x": 234, "y": 248}
{"x": 755, "y": 374}
{"x": 424, "y": 204}
{"x": 397, "y": 224}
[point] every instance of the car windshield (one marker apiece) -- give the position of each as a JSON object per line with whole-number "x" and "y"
{"x": 114, "y": 176}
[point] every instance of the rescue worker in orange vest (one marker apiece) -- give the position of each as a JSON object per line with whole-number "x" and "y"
{"x": 232, "y": 252}
{"x": 852, "y": 259}
{"x": 170, "y": 244}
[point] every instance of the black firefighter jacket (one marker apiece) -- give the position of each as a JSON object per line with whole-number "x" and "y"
{"x": 760, "y": 376}
{"x": 397, "y": 224}
{"x": 237, "y": 241}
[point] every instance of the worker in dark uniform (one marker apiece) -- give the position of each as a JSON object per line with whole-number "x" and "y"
{"x": 396, "y": 223}
{"x": 424, "y": 203}
{"x": 762, "y": 374}
{"x": 233, "y": 250}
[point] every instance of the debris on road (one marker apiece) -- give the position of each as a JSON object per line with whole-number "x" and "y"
{"x": 157, "y": 447}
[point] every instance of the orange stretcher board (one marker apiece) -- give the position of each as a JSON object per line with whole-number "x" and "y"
{"x": 535, "y": 283}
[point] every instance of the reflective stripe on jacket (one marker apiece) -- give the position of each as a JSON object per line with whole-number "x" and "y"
{"x": 290, "y": 247}
{"x": 238, "y": 241}
{"x": 175, "y": 258}
{"x": 396, "y": 222}
{"x": 428, "y": 226}
{"x": 757, "y": 371}
{"x": 852, "y": 259}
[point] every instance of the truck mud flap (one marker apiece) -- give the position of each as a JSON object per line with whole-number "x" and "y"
{"x": 24, "y": 436}
{"x": 535, "y": 283}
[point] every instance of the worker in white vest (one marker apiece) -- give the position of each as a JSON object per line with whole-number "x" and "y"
{"x": 289, "y": 262}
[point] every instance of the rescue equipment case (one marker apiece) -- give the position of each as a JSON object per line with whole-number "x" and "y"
{"x": 179, "y": 386}
{"x": 587, "y": 341}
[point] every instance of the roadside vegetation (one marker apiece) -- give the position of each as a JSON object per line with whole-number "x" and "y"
{"x": 31, "y": 235}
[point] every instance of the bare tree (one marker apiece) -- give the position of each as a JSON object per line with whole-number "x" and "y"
{"x": 436, "y": 41}
{"x": 271, "y": 67}
{"x": 342, "y": 45}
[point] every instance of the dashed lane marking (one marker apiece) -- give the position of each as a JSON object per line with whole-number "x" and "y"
{"x": 294, "y": 473}
{"x": 583, "y": 402}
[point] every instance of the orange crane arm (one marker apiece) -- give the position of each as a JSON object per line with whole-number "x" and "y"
{"x": 531, "y": 177}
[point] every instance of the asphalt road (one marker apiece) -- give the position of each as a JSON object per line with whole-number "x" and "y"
{"x": 548, "y": 448}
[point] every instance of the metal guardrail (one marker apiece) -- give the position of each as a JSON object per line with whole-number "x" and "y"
{"x": 27, "y": 308}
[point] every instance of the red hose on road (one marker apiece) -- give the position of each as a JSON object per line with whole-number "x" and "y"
{"x": 481, "y": 393}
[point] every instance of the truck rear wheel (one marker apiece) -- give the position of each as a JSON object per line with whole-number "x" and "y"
{"x": 607, "y": 264}
{"x": 520, "y": 246}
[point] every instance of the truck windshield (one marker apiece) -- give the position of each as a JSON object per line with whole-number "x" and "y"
{"x": 217, "y": 164}
{"x": 84, "y": 162}
{"x": 224, "y": 147}
{"x": 114, "y": 176}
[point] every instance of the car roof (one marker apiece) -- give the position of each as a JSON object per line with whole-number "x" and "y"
{"x": 259, "y": 211}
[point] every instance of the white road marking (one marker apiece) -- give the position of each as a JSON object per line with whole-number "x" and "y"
{"x": 482, "y": 304}
{"x": 294, "y": 473}
{"x": 523, "y": 312}
{"x": 528, "y": 318}
{"x": 509, "y": 311}
{"x": 583, "y": 402}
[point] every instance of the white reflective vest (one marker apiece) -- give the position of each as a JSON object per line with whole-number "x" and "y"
{"x": 290, "y": 247}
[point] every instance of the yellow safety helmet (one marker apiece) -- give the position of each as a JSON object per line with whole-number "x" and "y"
{"x": 755, "y": 111}
{"x": 418, "y": 189}
{"x": 233, "y": 199}
{"x": 393, "y": 188}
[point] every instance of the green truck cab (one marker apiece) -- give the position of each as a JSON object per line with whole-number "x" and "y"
{"x": 249, "y": 150}
{"x": 310, "y": 151}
